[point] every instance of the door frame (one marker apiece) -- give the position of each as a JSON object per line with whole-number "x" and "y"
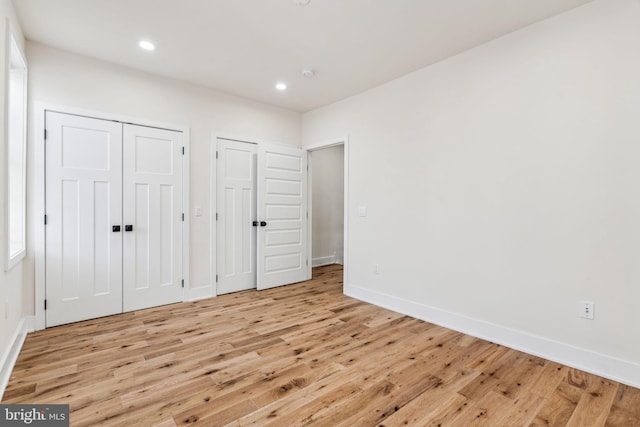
{"x": 38, "y": 199}
{"x": 344, "y": 141}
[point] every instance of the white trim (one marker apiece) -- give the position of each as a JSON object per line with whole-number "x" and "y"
{"x": 327, "y": 260}
{"x": 310, "y": 214}
{"x": 8, "y": 361}
{"x": 326, "y": 144}
{"x": 619, "y": 370}
{"x": 186, "y": 208}
{"x": 38, "y": 217}
{"x": 344, "y": 141}
{"x": 249, "y": 139}
{"x": 40, "y": 109}
{"x": 12, "y": 48}
{"x": 213, "y": 223}
{"x": 109, "y": 116}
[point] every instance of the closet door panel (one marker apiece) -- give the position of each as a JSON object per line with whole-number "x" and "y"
{"x": 83, "y": 190}
{"x": 152, "y": 233}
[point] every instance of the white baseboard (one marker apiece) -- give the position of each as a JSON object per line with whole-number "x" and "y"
{"x": 325, "y": 260}
{"x": 8, "y": 361}
{"x": 619, "y": 370}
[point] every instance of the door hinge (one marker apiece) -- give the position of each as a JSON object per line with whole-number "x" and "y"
{"x": 307, "y": 214}
{"x": 183, "y": 283}
{"x": 183, "y": 151}
{"x": 45, "y": 220}
{"x": 45, "y": 134}
{"x": 182, "y": 216}
{"x": 307, "y": 262}
{"x": 216, "y": 216}
{"x": 216, "y": 278}
{"x": 45, "y": 304}
{"x": 216, "y": 154}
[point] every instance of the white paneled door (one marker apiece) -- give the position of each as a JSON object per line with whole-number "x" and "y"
{"x": 282, "y": 210}
{"x": 152, "y": 217}
{"x": 83, "y": 204}
{"x": 113, "y": 231}
{"x": 236, "y": 233}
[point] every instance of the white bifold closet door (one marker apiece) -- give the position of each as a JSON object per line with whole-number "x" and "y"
{"x": 83, "y": 203}
{"x": 113, "y": 231}
{"x": 152, "y": 217}
{"x": 261, "y": 216}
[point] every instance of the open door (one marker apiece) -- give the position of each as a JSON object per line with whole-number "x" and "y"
{"x": 236, "y": 213}
{"x": 282, "y": 215}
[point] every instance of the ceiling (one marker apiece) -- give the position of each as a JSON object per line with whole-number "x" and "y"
{"x": 244, "y": 47}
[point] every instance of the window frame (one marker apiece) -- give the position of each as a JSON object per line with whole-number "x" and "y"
{"x": 16, "y": 216}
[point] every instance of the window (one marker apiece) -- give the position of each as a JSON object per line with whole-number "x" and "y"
{"x": 16, "y": 110}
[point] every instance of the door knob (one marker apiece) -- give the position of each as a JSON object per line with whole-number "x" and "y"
{"x": 263, "y": 224}
{"x": 255, "y": 223}
{"x": 115, "y": 228}
{"x": 128, "y": 228}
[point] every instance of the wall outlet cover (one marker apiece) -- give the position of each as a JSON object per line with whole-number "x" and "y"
{"x": 587, "y": 309}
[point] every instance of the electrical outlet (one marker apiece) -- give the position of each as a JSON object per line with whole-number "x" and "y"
{"x": 586, "y": 309}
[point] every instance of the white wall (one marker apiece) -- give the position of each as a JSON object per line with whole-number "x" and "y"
{"x": 327, "y": 170}
{"x": 503, "y": 186}
{"x": 62, "y": 78}
{"x": 11, "y": 292}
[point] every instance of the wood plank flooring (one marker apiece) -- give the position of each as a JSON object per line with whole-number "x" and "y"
{"x": 297, "y": 355}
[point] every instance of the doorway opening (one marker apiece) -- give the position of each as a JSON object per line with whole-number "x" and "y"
{"x": 328, "y": 204}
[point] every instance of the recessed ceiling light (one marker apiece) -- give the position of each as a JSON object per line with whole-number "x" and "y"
{"x": 281, "y": 86}
{"x": 308, "y": 72}
{"x": 147, "y": 45}
{"x": 301, "y": 2}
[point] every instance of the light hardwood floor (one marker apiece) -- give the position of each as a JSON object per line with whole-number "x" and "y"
{"x": 297, "y": 355}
